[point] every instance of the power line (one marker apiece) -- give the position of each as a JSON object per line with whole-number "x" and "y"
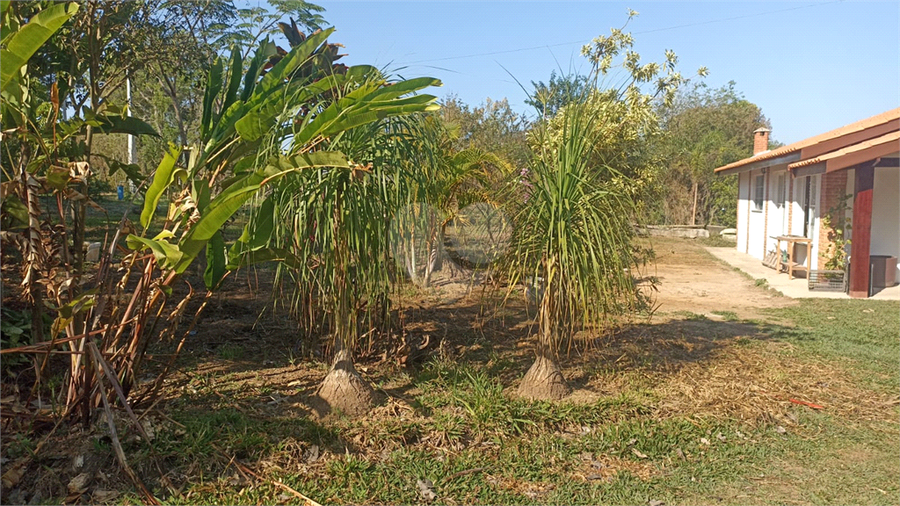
{"x": 700, "y": 23}
{"x": 745, "y": 16}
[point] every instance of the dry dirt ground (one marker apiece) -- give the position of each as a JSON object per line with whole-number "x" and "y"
{"x": 690, "y": 279}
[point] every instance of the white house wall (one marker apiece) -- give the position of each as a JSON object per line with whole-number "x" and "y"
{"x": 742, "y": 203}
{"x": 755, "y": 230}
{"x": 886, "y": 213}
{"x": 797, "y": 217}
{"x": 814, "y": 228}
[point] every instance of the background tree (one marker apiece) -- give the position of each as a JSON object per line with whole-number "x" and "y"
{"x": 549, "y": 98}
{"x": 621, "y": 91}
{"x": 258, "y": 22}
{"x": 703, "y": 129}
{"x": 491, "y": 127}
{"x": 441, "y": 180}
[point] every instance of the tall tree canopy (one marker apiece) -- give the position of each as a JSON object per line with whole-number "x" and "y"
{"x": 704, "y": 128}
{"x": 492, "y": 127}
{"x": 549, "y": 98}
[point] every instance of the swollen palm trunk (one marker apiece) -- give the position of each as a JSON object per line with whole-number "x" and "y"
{"x": 544, "y": 380}
{"x": 343, "y": 389}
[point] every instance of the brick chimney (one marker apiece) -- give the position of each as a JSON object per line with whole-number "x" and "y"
{"x": 760, "y": 140}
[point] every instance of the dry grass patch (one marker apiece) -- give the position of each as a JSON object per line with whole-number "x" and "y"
{"x": 763, "y": 383}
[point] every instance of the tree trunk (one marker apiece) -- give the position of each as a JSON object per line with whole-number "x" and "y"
{"x": 433, "y": 249}
{"x": 544, "y": 380}
{"x": 343, "y": 389}
{"x": 411, "y": 261}
{"x": 694, "y": 209}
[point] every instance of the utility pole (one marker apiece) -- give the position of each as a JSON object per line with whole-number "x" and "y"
{"x": 131, "y": 157}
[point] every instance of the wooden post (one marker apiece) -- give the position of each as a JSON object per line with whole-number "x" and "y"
{"x": 694, "y": 210}
{"x": 862, "y": 231}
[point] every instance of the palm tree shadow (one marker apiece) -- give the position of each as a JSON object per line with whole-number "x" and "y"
{"x": 663, "y": 347}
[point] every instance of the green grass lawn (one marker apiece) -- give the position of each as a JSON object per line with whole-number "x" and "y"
{"x": 474, "y": 444}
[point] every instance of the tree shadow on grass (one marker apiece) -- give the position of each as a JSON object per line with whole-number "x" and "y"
{"x": 659, "y": 347}
{"x": 262, "y": 414}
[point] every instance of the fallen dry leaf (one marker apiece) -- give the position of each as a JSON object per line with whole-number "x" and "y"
{"x": 79, "y": 484}
{"x": 12, "y": 477}
{"x": 426, "y": 490}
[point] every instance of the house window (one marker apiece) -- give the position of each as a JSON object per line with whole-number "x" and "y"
{"x": 759, "y": 188}
{"x": 779, "y": 192}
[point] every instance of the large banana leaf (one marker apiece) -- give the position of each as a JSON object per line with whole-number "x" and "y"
{"x": 223, "y": 206}
{"x": 234, "y": 82}
{"x": 163, "y": 178}
{"x": 241, "y": 126}
{"x": 260, "y": 120}
{"x": 282, "y": 71}
{"x": 167, "y": 255}
{"x": 29, "y": 38}
{"x": 215, "y": 261}
{"x": 266, "y": 50}
{"x": 371, "y": 102}
{"x": 115, "y": 124}
{"x": 213, "y": 87}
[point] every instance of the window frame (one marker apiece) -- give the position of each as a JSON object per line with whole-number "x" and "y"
{"x": 759, "y": 193}
{"x": 780, "y": 190}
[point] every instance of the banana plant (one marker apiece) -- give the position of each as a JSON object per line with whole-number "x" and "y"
{"x": 302, "y": 97}
{"x": 329, "y": 226}
{"x": 20, "y": 42}
{"x": 282, "y": 121}
{"x": 44, "y": 157}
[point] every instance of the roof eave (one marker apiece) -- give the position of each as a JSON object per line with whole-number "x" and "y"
{"x": 760, "y": 164}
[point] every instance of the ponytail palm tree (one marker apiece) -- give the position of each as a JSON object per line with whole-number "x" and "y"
{"x": 329, "y": 225}
{"x": 330, "y": 222}
{"x": 572, "y": 236}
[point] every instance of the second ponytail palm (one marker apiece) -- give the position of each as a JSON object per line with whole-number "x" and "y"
{"x": 572, "y": 237}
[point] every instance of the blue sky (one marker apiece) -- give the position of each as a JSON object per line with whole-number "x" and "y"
{"x": 810, "y": 66}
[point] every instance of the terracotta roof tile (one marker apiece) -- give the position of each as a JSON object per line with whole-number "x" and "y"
{"x": 889, "y": 143}
{"x": 859, "y": 126}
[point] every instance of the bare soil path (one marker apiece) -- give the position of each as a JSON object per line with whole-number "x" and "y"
{"x": 692, "y": 280}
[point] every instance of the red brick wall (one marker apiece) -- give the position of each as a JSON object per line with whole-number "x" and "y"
{"x": 833, "y": 187}
{"x": 760, "y": 141}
